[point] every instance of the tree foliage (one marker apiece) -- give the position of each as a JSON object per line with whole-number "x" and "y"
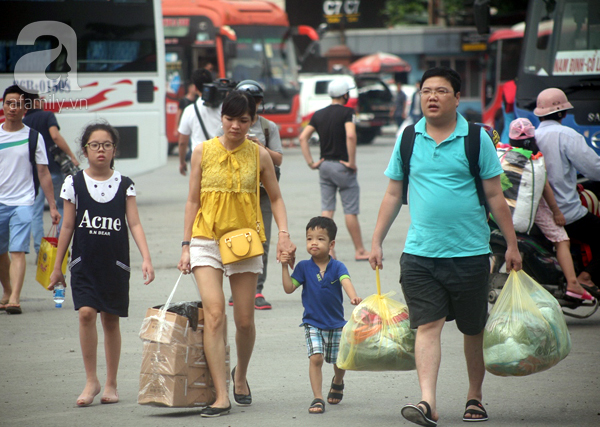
{"x": 402, "y": 12}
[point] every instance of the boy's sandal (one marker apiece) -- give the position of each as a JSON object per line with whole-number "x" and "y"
{"x": 481, "y": 411}
{"x": 317, "y": 404}
{"x": 335, "y": 396}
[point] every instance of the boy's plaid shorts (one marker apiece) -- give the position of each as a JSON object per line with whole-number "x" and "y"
{"x": 321, "y": 341}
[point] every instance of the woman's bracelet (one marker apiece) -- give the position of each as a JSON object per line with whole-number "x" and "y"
{"x": 285, "y": 231}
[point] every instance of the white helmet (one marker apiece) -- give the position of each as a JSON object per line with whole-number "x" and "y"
{"x": 551, "y": 101}
{"x": 339, "y": 87}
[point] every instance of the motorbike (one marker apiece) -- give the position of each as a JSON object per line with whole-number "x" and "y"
{"x": 540, "y": 263}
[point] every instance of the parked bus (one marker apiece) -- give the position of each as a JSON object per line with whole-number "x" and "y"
{"x": 567, "y": 58}
{"x": 561, "y": 48}
{"x": 242, "y": 40}
{"x": 501, "y": 67}
{"x": 105, "y": 61}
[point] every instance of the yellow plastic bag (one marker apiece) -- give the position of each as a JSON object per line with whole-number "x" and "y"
{"x": 47, "y": 257}
{"x": 378, "y": 336}
{"x": 526, "y": 331}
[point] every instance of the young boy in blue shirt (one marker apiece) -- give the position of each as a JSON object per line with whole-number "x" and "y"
{"x": 322, "y": 279}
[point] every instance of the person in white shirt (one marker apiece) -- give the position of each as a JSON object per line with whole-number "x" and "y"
{"x": 189, "y": 125}
{"x": 17, "y": 194}
{"x": 567, "y": 153}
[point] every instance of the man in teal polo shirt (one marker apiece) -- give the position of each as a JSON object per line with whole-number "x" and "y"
{"x": 445, "y": 264}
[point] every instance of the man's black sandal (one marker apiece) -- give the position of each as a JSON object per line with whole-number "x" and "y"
{"x": 414, "y": 414}
{"x": 481, "y": 411}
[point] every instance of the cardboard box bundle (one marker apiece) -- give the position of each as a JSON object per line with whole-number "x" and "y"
{"x": 174, "y": 371}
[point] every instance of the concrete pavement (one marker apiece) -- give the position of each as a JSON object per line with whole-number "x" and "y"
{"x": 42, "y": 370}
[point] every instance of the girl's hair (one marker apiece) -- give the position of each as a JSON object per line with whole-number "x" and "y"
{"x": 93, "y": 127}
{"x": 238, "y": 103}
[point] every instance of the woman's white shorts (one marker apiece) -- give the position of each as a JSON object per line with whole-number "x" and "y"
{"x": 205, "y": 253}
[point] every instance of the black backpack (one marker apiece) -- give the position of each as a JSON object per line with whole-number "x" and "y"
{"x": 33, "y": 139}
{"x": 472, "y": 146}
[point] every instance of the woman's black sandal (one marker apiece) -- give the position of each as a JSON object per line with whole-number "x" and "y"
{"x": 241, "y": 399}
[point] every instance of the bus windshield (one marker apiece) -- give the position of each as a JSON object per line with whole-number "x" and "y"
{"x": 263, "y": 54}
{"x": 112, "y": 35}
{"x": 567, "y": 40}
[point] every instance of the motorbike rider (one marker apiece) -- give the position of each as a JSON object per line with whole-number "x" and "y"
{"x": 567, "y": 153}
{"x": 548, "y": 217}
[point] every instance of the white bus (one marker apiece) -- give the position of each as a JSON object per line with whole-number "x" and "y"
{"x": 92, "y": 60}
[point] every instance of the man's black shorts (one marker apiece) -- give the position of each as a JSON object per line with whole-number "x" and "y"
{"x": 451, "y": 288}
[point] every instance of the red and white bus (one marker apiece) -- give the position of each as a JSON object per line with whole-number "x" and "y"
{"x": 559, "y": 48}
{"x": 501, "y": 68}
{"x": 242, "y": 40}
{"x": 93, "y": 60}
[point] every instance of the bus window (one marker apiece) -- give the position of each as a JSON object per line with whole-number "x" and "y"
{"x": 511, "y": 50}
{"x": 114, "y": 36}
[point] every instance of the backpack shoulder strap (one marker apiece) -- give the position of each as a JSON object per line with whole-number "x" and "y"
{"x": 407, "y": 144}
{"x": 201, "y": 122}
{"x": 264, "y": 123}
{"x": 472, "y": 148}
{"x": 33, "y": 139}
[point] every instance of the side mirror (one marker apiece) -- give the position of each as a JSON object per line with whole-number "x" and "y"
{"x": 481, "y": 12}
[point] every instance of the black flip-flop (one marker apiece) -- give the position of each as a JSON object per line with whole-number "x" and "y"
{"x": 13, "y": 308}
{"x": 414, "y": 414}
{"x": 333, "y": 395}
{"x": 317, "y": 403}
{"x": 480, "y": 411}
{"x": 592, "y": 290}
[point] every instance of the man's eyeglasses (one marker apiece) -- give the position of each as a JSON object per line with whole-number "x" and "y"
{"x": 95, "y": 146}
{"x": 440, "y": 91}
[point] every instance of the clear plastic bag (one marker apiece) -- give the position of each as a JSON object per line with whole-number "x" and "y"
{"x": 378, "y": 336}
{"x": 526, "y": 331}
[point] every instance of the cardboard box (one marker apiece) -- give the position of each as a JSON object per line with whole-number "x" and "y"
{"x": 163, "y": 390}
{"x": 170, "y": 330}
{"x": 166, "y": 359}
{"x": 196, "y": 356}
{"x": 172, "y": 391}
{"x": 195, "y": 338}
{"x": 201, "y": 396}
{"x": 198, "y": 377}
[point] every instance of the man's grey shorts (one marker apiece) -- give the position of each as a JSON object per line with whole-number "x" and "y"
{"x": 451, "y": 288}
{"x": 334, "y": 176}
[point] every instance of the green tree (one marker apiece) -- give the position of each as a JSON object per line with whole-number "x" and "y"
{"x": 402, "y": 12}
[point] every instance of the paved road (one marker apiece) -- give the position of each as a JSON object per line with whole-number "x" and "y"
{"x": 42, "y": 371}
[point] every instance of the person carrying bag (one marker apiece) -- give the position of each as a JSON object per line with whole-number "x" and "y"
{"x": 526, "y": 331}
{"x": 378, "y": 336}
{"x": 47, "y": 257}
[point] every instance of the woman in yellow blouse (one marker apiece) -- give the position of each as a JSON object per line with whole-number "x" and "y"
{"x": 222, "y": 198}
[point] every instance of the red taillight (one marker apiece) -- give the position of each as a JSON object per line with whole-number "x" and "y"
{"x": 352, "y": 103}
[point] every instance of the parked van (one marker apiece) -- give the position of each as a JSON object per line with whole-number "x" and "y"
{"x": 371, "y": 98}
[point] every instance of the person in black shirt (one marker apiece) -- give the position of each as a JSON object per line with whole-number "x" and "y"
{"x": 336, "y": 127}
{"x": 46, "y": 124}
